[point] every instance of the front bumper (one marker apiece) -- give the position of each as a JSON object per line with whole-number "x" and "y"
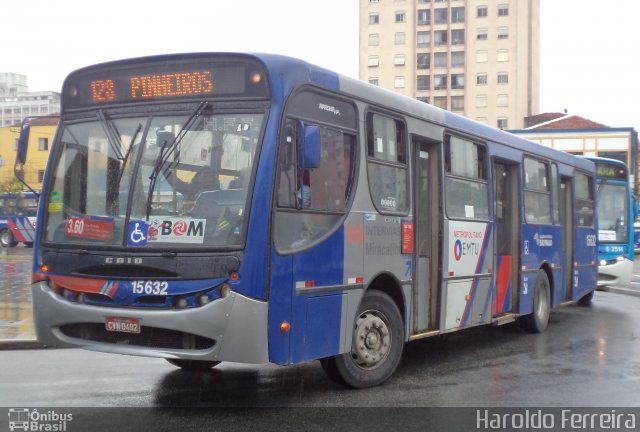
{"x": 234, "y": 327}
{"x": 618, "y": 273}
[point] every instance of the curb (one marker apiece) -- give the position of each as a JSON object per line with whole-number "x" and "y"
{"x": 621, "y": 290}
{"x": 20, "y": 344}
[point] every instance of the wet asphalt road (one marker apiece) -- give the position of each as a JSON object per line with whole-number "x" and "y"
{"x": 588, "y": 357}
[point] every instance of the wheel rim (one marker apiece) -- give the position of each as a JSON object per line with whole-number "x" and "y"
{"x": 4, "y": 237}
{"x": 372, "y": 340}
{"x": 542, "y": 302}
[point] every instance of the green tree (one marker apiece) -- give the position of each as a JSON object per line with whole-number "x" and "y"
{"x": 12, "y": 185}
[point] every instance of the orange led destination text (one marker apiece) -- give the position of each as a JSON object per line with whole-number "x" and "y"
{"x": 174, "y": 84}
{"x": 103, "y": 90}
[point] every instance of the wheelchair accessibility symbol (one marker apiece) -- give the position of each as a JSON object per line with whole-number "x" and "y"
{"x": 138, "y": 232}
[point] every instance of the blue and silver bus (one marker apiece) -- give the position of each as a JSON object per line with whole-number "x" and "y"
{"x": 255, "y": 208}
{"x": 17, "y": 218}
{"x": 616, "y": 222}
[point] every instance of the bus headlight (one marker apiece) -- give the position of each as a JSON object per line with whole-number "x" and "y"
{"x": 603, "y": 263}
{"x": 620, "y": 258}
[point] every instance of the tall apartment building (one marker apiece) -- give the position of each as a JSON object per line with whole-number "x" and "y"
{"x": 16, "y": 102}
{"x": 479, "y": 58}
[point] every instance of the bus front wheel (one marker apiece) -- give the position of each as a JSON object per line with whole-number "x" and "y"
{"x": 193, "y": 365}
{"x": 376, "y": 348}
{"x": 537, "y": 321}
{"x": 6, "y": 238}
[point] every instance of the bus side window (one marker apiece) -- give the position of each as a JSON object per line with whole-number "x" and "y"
{"x": 287, "y": 167}
{"x": 311, "y": 203}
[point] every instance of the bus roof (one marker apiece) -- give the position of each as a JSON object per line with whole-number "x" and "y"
{"x": 294, "y": 72}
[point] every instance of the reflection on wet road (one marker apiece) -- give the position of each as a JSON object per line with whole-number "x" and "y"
{"x": 16, "y": 320}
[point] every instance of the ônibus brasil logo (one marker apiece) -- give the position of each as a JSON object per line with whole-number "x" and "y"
{"x": 27, "y": 419}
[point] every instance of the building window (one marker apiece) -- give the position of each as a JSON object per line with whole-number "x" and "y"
{"x": 481, "y": 101}
{"x": 399, "y": 60}
{"x": 424, "y": 16}
{"x": 424, "y": 82}
{"x": 440, "y": 59}
{"x": 401, "y": 17}
{"x": 503, "y": 78}
{"x": 374, "y": 81}
{"x": 457, "y": 81}
{"x": 424, "y": 60}
{"x": 482, "y": 56}
{"x": 503, "y": 123}
{"x": 374, "y": 19}
{"x": 424, "y": 39}
{"x": 457, "y": 37}
{"x": 481, "y": 79}
{"x": 424, "y": 99}
{"x": 374, "y": 39}
{"x": 482, "y": 34}
{"x": 40, "y": 176}
{"x": 399, "y": 82}
{"x": 483, "y": 11}
{"x": 502, "y": 100}
{"x": 440, "y": 82}
{"x": 503, "y": 32}
{"x": 400, "y": 38}
{"x": 440, "y": 37}
{"x": 457, "y": 103}
{"x": 503, "y": 55}
{"x": 457, "y": 15}
{"x": 43, "y": 144}
{"x": 373, "y": 61}
{"x": 503, "y": 10}
{"x": 457, "y": 59}
{"x": 440, "y": 16}
{"x": 440, "y": 102}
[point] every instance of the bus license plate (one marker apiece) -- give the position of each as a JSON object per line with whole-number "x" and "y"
{"x": 123, "y": 325}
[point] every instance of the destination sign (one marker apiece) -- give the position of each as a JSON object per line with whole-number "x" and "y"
{"x": 611, "y": 171}
{"x": 165, "y": 78}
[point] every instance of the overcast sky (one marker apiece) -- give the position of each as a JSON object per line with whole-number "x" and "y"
{"x": 589, "y": 48}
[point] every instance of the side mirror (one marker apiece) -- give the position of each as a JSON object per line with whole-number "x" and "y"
{"x": 309, "y": 137}
{"x": 23, "y": 143}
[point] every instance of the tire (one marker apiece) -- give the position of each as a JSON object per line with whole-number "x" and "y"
{"x": 585, "y": 300}
{"x": 193, "y": 365}
{"x": 537, "y": 321}
{"x": 6, "y": 238}
{"x": 376, "y": 350}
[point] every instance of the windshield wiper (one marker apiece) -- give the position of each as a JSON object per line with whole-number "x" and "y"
{"x": 112, "y": 135}
{"x": 167, "y": 150}
{"x": 126, "y": 156}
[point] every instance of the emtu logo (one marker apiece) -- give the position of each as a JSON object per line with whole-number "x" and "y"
{"x": 457, "y": 250}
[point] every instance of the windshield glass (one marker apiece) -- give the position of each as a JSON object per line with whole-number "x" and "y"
{"x": 162, "y": 181}
{"x": 612, "y": 211}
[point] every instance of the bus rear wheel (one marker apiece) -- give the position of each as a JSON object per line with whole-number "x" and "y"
{"x": 537, "y": 321}
{"x": 193, "y": 365}
{"x": 376, "y": 348}
{"x": 6, "y": 239}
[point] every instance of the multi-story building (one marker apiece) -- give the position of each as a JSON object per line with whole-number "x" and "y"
{"x": 16, "y": 102}
{"x": 479, "y": 58}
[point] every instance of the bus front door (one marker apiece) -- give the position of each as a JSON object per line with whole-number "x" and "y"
{"x": 428, "y": 238}
{"x": 506, "y": 211}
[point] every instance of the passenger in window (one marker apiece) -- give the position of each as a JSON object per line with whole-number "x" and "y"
{"x": 304, "y": 193}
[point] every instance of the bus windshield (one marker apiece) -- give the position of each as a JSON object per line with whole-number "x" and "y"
{"x": 154, "y": 181}
{"x": 612, "y": 211}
